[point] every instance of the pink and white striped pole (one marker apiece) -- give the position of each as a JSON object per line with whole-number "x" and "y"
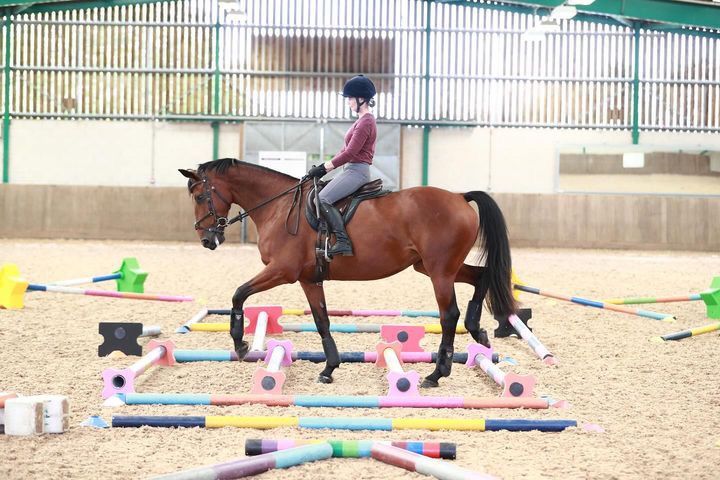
{"x": 513, "y": 385}
{"x": 123, "y": 381}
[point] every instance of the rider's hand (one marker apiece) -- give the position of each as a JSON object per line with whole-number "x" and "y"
{"x": 318, "y": 171}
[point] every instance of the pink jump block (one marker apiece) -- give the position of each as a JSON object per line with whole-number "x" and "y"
{"x": 273, "y": 312}
{"x": 401, "y": 384}
{"x": 270, "y": 380}
{"x": 265, "y": 381}
{"x": 408, "y": 335}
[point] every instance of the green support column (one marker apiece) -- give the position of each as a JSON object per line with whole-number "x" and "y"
{"x": 426, "y": 128}
{"x": 636, "y": 87}
{"x": 6, "y": 97}
{"x": 216, "y": 89}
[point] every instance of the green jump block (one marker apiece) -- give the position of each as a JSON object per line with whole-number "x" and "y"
{"x": 711, "y": 297}
{"x": 132, "y": 277}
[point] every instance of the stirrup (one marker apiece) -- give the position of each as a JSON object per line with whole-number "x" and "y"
{"x": 323, "y": 253}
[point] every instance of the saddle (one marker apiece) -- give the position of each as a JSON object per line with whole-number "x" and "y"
{"x": 348, "y": 205}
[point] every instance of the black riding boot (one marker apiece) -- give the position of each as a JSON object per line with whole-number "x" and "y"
{"x": 335, "y": 222}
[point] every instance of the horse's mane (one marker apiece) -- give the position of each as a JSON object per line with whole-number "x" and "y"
{"x": 222, "y": 165}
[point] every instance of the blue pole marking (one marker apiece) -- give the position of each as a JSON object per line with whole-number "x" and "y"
{"x": 346, "y": 423}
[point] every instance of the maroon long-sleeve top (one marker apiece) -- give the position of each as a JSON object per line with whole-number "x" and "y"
{"x": 359, "y": 142}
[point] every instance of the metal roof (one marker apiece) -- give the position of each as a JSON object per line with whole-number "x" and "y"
{"x": 14, "y": 7}
{"x": 650, "y": 14}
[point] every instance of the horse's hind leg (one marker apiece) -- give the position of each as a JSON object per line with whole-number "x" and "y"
{"x": 316, "y": 298}
{"x": 475, "y": 276}
{"x": 449, "y": 314}
{"x": 472, "y": 275}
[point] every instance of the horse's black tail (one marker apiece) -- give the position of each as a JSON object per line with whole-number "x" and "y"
{"x": 495, "y": 250}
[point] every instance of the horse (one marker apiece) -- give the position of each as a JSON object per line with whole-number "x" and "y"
{"x": 428, "y": 228}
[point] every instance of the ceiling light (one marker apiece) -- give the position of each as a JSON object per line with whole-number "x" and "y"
{"x": 533, "y": 35}
{"x": 236, "y": 15}
{"x": 564, "y": 12}
{"x": 590, "y": 2}
{"x": 547, "y": 25}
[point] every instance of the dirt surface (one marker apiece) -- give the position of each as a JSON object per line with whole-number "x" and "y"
{"x": 658, "y": 403}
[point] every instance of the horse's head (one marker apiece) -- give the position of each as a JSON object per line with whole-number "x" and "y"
{"x": 210, "y": 193}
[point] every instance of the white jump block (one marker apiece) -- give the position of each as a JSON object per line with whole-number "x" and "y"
{"x": 35, "y": 415}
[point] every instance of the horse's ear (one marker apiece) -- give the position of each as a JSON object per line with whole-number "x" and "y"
{"x": 191, "y": 174}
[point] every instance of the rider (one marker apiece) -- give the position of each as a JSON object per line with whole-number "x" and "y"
{"x": 356, "y": 156}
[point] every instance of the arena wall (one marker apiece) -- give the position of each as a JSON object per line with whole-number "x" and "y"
{"x": 536, "y": 220}
{"x": 92, "y": 180}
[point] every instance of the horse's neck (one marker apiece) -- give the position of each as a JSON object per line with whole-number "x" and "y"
{"x": 251, "y": 187}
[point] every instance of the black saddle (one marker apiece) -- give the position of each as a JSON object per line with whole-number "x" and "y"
{"x": 348, "y": 205}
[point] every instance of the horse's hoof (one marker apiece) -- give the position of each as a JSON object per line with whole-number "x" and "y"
{"x": 325, "y": 378}
{"x": 242, "y": 350}
{"x": 483, "y": 338}
{"x": 429, "y": 383}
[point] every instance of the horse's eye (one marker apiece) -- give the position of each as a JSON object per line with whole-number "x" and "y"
{"x": 199, "y": 199}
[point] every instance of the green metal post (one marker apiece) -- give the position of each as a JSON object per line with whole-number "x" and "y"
{"x": 6, "y": 98}
{"x": 426, "y": 128}
{"x": 636, "y": 87}
{"x": 216, "y": 89}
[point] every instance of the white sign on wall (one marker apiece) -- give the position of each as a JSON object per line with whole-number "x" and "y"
{"x": 633, "y": 160}
{"x": 290, "y": 163}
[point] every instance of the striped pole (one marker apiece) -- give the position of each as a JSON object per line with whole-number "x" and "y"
{"x": 80, "y": 281}
{"x": 346, "y": 423}
{"x": 246, "y": 467}
{"x": 351, "y": 313}
{"x": 594, "y": 303}
{"x": 123, "y": 381}
{"x": 186, "y": 356}
{"x": 641, "y": 300}
{"x": 536, "y": 345}
{"x": 513, "y": 385}
{"x": 413, "y": 462}
{"x": 129, "y": 278}
{"x": 187, "y": 326}
{"x": 310, "y": 327}
{"x": 353, "y": 448}
{"x": 333, "y": 401}
{"x": 692, "y": 332}
{"x": 106, "y": 293}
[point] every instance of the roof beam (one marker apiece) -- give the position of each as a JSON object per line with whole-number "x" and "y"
{"x": 13, "y": 7}
{"x": 669, "y": 12}
{"x": 525, "y": 7}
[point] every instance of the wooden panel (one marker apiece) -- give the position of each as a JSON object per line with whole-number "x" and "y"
{"x": 612, "y": 221}
{"x": 656, "y": 162}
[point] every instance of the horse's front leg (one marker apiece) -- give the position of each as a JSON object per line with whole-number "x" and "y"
{"x": 316, "y": 298}
{"x": 449, "y": 314}
{"x": 265, "y": 280}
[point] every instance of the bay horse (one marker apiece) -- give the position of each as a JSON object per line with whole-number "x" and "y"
{"x": 429, "y": 228}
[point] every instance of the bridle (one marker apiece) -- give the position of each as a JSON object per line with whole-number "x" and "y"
{"x": 218, "y": 227}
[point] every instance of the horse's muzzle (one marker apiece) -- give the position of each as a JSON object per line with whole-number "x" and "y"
{"x": 213, "y": 242}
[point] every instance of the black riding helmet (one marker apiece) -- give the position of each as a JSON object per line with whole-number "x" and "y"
{"x": 359, "y": 87}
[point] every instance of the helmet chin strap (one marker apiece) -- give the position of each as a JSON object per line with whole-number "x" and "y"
{"x": 359, "y": 104}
